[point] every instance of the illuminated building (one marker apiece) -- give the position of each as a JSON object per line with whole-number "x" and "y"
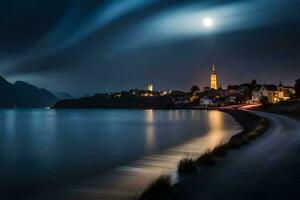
{"x": 213, "y": 79}
{"x": 150, "y": 87}
{"x": 273, "y": 93}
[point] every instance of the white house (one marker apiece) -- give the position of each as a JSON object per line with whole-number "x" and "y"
{"x": 272, "y": 92}
{"x": 206, "y": 101}
{"x": 264, "y": 91}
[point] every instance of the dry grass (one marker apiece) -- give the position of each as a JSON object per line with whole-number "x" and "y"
{"x": 219, "y": 150}
{"x": 187, "y": 165}
{"x": 206, "y": 159}
{"x": 159, "y": 189}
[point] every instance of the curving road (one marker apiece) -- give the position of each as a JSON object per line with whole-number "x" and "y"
{"x": 267, "y": 168}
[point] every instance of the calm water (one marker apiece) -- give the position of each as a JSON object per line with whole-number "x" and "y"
{"x": 99, "y": 154}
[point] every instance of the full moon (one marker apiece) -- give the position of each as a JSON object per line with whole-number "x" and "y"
{"x": 207, "y": 22}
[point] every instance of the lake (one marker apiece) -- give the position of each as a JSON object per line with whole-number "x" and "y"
{"x": 99, "y": 154}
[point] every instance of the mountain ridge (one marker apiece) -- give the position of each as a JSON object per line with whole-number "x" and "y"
{"x": 24, "y": 95}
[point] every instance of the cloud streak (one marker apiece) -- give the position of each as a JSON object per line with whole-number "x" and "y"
{"x": 183, "y": 22}
{"x": 72, "y": 29}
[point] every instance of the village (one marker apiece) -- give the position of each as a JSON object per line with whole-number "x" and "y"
{"x": 213, "y": 96}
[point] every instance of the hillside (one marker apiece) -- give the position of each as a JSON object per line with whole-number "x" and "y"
{"x": 132, "y": 102}
{"x": 24, "y": 95}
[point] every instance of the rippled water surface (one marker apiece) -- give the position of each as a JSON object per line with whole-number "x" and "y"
{"x": 99, "y": 154}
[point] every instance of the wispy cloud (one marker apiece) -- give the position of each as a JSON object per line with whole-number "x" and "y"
{"x": 186, "y": 21}
{"x": 73, "y": 28}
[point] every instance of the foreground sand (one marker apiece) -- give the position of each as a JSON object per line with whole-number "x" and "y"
{"x": 268, "y": 168}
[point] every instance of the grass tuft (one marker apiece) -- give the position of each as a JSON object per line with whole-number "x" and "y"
{"x": 159, "y": 189}
{"x": 187, "y": 165}
{"x": 206, "y": 159}
{"x": 238, "y": 142}
{"x": 219, "y": 150}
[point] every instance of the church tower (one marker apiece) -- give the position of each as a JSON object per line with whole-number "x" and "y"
{"x": 213, "y": 79}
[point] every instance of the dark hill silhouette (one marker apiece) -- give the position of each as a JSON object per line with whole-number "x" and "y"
{"x": 24, "y": 95}
{"x": 131, "y": 102}
{"x": 63, "y": 95}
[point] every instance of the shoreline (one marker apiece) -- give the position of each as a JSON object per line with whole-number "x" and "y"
{"x": 163, "y": 188}
{"x": 137, "y": 108}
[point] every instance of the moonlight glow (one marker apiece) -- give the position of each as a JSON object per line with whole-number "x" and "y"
{"x": 207, "y": 22}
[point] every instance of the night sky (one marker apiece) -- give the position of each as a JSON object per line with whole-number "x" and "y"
{"x": 89, "y": 46}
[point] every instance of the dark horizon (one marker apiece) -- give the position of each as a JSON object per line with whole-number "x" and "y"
{"x": 88, "y": 47}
